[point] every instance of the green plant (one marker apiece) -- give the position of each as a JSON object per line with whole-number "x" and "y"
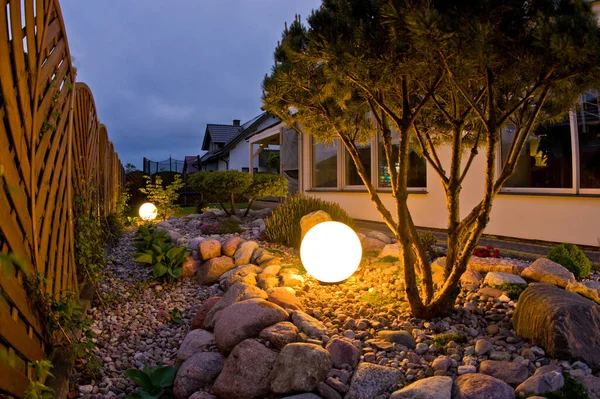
{"x": 166, "y": 260}
{"x": 266, "y": 185}
{"x": 195, "y": 180}
{"x": 572, "y": 258}
{"x": 428, "y": 240}
{"x": 442, "y": 340}
{"x": 389, "y": 259}
{"x": 152, "y": 382}
{"x": 37, "y": 388}
{"x": 176, "y": 316}
{"x": 163, "y": 198}
{"x": 572, "y": 389}
{"x": 376, "y": 299}
{"x": 146, "y": 237}
{"x": 283, "y": 225}
{"x": 201, "y": 206}
{"x": 224, "y": 185}
{"x": 230, "y": 226}
{"x": 513, "y": 290}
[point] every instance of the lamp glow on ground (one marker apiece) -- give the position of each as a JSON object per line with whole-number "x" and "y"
{"x": 148, "y": 212}
{"x": 331, "y": 252}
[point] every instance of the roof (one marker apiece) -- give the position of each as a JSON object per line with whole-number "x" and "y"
{"x": 220, "y": 134}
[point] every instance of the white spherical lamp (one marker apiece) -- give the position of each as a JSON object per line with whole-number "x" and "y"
{"x": 148, "y": 212}
{"x": 331, "y": 252}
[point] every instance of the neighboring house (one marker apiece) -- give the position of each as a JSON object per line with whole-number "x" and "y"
{"x": 227, "y": 146}
{"x": 554, "y": 194}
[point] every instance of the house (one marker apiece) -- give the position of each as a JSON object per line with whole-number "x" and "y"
{"x": 227, "y": 148}
{"x": 554, "y": 194}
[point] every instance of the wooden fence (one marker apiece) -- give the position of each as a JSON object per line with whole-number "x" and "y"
{"x": 51, "y": 145}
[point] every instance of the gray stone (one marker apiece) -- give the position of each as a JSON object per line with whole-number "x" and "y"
{"x": 441, "y": 363}
{"x": 196, "y": 373}
{"x": 280, "y": 334}
{"x": 481, "y": 386}
{"x": 245, "y": 319}
{"x": 546, "y": 271}
{"x": 426, "y": 388}
{"x": 237, "y": 292}
{"x": 300, "y": 367}
{"x": 483, "y": 346}
{"x": 565, "y": 324}
{"x": 398, "y": 337}
{"x": 486, "y": 265}
{"x": 511, "y": 373}
{"x": 212, "y": 269}
{"x": 591, "y": 385}
{"x": 498, "y": 278}
{"x": 327, "y": 392}
{"x": 195, "y": 341}
{"x": 308, "y": 324}
{"x": 370, "y": 380}
{"x": 312, "y": 219}
{"x": 241, "y": 274}
{"x": 202, "y": 395}
{"x": 370, "y": 244}
{"x": 471, "y": 277}
{"x": 244, "y": 252}
{"x": 246, "y": 372}
{"x": 538, "y": 384}
{"x": 380, "y": 236}
{"x": 390, "y": 250}
{"x": 589, "y": 289}
{"x": 343, "y": 352}
{"x": 466, "y": 369}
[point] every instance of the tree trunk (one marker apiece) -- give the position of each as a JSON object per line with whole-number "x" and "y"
{"x": 232, "y": 204}
{"x": 249, "y": 206}
{"x": 224, "y": 208}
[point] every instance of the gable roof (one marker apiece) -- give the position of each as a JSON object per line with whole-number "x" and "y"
{"x": 219, "y": 134}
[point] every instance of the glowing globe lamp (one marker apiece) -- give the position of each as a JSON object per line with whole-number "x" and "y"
{"x": 331, "y": 252}
{"x": 148, "y": 212}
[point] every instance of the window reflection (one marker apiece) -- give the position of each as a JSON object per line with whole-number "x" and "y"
{"x": 324, "y": 165}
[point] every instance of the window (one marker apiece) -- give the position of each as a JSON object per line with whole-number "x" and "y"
{"x": 324, "y": 165}
{"x": 417, "y": 169}
{"x": 588, "y": 135}
{"x": 352, "y": 177}
{"x": 247, "y": 170}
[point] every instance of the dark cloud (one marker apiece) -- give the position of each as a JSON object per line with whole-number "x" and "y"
{"x": 161, "y": 70}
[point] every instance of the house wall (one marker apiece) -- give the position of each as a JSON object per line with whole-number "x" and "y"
{"x": 555, "y": 218}
{"x": 239, "y": 157}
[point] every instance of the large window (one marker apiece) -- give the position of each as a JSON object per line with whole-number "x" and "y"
{"x": 588, "y": 129}
{"x": 352, "y": 177}
{"x": 417, "y": 169}
{"x": 324, "y": 165}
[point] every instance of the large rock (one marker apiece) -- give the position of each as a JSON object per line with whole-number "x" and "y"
{"x": 390, "y": 250}
{"x": 209, "y": 249}
{"x": 237, "y": 292}
{"x": 285, "y": 300}
{"x": 370, "y": 380}
{"x": 231, "y": 245}
{"x": 481, "y": 386}
{"x": 370, "y": 244}
{"x": 190, "y": 267}
{"x": 589, "y": 289}
{"x": 380, "y": 236}
{"x": 312, "y": 219}
{"x": 591, "y": 385}
{"x": 280, "y": 334}
{"x": 541, "y": 383}
{"x": 195, "y": 341}
{"x": 510, "y": 372}
{"x": 565, "y": 324}
{"x": 398, "y": 337}
{"x": 499, "y": 278}
{"x": 342, "y": 352}
{"x": 308, "y": 324}
{"x": 213, "y": 268}
{"x": 200, "y": 316}
{"x": 246, "y": 372}
{"x": 240, "y": 274}
{"x": 300, "y": 367}
{"x": 546, "y": 271}
{"x": 427, "y": 388}
{"x": 472, "y": 277}
{"x": 244, "y": 252}
{"x": 486, "y": 265}
{"x": 196, "y": 373}
{"x": 245, "y": 319}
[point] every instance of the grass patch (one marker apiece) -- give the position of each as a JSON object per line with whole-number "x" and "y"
{"x": 442, "y": 340}
{"x": 370, "y": 254}
{"x": 571, "y": 390}
{"x": 185, "y": 210}
{"x": 377, "y": 300}
{"x": 513, "y": 290}
{"x": 389, "y": 259}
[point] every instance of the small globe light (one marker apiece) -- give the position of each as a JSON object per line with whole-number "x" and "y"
{"x": 331, "y": 252}
{"x": 148, "y": 211}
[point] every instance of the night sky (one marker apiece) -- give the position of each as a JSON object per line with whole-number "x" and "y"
{"x": 161, "y": 70}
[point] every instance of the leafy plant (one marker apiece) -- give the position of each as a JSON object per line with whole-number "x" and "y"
{"x": 442, "y": 340}
{"x": 572, "y": 258}
{"x": 146, "y": 237}
{"x": 487, "y": 252}
{"x": 152, "y": 382}
{"x": 166, "y": 260}
{"x": 389, "y": 259}
{"x": 201, "y": 206}
{"x": 266, "y": 185}
{"x": 224, "y": 185}
{"x": 163, "y": 198}
{"x": 571, "y": 390}
{"x": 283, "y": 225}
{"x": 37, "y": 388}
{"x": 377, "y": 300}
{"x": 513, "y": 290}
{"x": 428, "y": 240}
{"x": 176, "y": 316}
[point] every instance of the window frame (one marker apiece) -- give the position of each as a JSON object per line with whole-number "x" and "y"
{"x": 311, "y": 154}
{"x": 415, "y": 190}
{"x": 346, "y": 157}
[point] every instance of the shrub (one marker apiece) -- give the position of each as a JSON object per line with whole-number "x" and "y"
{"x": 266, "y": 185}
{"x": 152, "y": 382}
{"x": 163, "y": 198}
{"x": 283, "y": 226}
{"x": 201, "y": 206}
{"x": 428, "y": 240}
{"x": 166, "y": 260}
{"x": 225, "y": 185}
{"x": 442, "y": 340}
{"x": 572, "y": 258}
{"x": 195, "y": 180}
{"x": 146, "y": 237}
{"x": 513, "y": 291}
{"x": 487, "y": 252}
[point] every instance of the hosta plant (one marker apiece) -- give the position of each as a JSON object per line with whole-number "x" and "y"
{"x": 146, "y": 237}
{"x": 152, "y": 382}
{"x": 166, "y": 260}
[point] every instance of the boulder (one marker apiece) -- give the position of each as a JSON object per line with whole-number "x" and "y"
{"x": 202, "y": 395}
{"x": 196, "y": 373}
{"x": 244, "y": 252}
{"x": 245, "y": 319}
{"x": 541, "y": 383}
{"x": 591, "y": 384}
{"x": 300, "y": 367}
{"x": 481, "y": 386}
{"x": 195, "y": 341}
{"x": 426, "y": 388}
{"x": 564, "y": 323}
{"x": 174, "y": 235}
{"x": 486, "y": 265}
{"x": 390, "y": 250}
{"x": 471, "y": 279}
{"x": 200, "y": 316}
{"x": 438, "y": 268}
{"x": 280, "y": 334}
{"x": 308, "y": 324}
{"x": 292, "y": 280}
{"x": 398, "y": 337}
{"x": 589, "y": 289}
{"x": 342, "y": 352}
{"x": 370, "y": 380}
{"x": 312, "y": 219}
{"x": 261, "y": 255}
{"x": 246, "y": 372}
{"x": 237, "y": 292}
{"x": 194, "y": 243}
{"x": 483, "y": 347}
{"x": 242, "y": 274}
{"x": 511, "y": 373}
{"x": 231, "y": 245}
{"x": 209, "y": 249}
{"x": 190, "y": 267}
{"x": 270, "y": 270}
{"x": 499, "y": 278}
{"x": 267, "y": 282}
{"x": 212, "y": 269}
{"x": 164, "y": 226}
{"x": 546, "y": 271}
{"x": 380, "y": 236}
{"x": 285, "y": 300}
{"x": 370, "y": 244}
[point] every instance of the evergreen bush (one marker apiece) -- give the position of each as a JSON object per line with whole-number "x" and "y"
{"x": 571, "y": 257}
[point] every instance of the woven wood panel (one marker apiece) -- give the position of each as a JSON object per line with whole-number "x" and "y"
{"x": 51, "y": 146}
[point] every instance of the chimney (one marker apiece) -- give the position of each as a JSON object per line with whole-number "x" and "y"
{"x": 236, "y": 122}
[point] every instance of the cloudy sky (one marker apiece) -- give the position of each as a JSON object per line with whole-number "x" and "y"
{"x": 161, "y": 70}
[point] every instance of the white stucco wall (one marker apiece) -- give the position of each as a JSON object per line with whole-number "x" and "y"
{"x": 239, "y": 156}
{"x": 574, "y": 219}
